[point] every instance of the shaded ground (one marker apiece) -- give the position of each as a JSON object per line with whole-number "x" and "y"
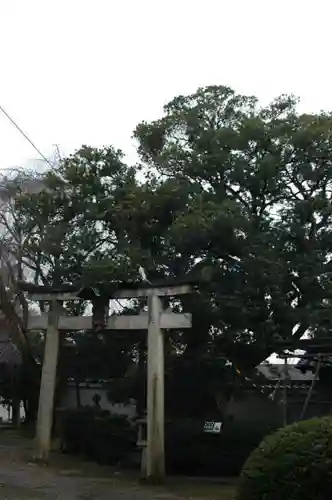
{"x": 71, "y": 479}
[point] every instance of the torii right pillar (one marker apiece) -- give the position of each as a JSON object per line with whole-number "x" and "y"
{"x": 155, "y": 450}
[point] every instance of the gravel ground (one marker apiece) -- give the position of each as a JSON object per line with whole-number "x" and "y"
{"x": 69, "y": 479}
{"x": 29, "y": 482}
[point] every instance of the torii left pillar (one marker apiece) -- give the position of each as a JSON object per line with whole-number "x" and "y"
{"x": 47, "y": 387}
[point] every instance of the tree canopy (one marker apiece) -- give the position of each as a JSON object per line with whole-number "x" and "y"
{"x": 236, "y": 194}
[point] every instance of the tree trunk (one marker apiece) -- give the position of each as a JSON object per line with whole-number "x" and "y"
{"x": 16, "y": 414}
{"x": 78, "y": 393}
{"x": 30, "y": 393}
{"x": 141, "y": 395}
{"x": 31, "y": 407}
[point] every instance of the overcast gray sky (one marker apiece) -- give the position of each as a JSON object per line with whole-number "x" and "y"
{"x": 87, "y": 71}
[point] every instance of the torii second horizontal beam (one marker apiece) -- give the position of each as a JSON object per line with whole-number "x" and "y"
{"x": 133, "y": 322}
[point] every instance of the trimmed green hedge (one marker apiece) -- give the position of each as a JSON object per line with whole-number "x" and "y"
{"x": 96, "y": 434}
{"x": 295, "y": 463}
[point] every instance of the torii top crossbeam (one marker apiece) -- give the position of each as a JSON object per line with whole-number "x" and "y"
{"x": 120, "y": 290}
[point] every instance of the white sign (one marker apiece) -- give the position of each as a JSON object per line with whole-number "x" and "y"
{"x": 212, "y": 427}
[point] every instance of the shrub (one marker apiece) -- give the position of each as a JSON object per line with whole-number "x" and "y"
{"x": 295, "y": 463}
{"x": 96, "y": 434}
{"x": 109, "y": 439}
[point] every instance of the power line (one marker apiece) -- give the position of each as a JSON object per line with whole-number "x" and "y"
{"x": 26, "y": 137}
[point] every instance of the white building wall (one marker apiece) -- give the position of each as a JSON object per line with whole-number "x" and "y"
{"x": 69, "y": 400}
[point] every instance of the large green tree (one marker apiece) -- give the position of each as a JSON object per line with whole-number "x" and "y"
{"x": 68, "y": 233}
{"x": 51, "y": 230}
{"x": 257, "y": 222}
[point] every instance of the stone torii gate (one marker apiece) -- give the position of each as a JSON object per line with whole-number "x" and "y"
{"x": 155, "y": 321}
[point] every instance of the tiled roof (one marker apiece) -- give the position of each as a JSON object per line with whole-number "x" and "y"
{"x": 272, "y": 379}
{"x": 275, "y": 371}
